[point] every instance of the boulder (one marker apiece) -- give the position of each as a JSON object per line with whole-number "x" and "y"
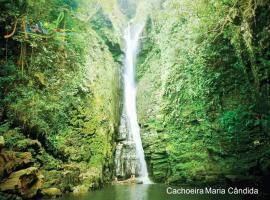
{"x": 131, "y": 180}
{"x": 10, "y": 161}
{"x": 2, "y": 142}
{"x": 25, "y": 182}
{"x": 80, "y": 189}
{"x": 51, "y": 192}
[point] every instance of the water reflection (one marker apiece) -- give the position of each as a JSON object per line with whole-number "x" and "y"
{"x": 143, "y": 192}
{"x": 133, "y": 192}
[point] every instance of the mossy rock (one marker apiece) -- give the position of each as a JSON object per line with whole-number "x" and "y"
{"x": 51, "y": 192}
{"x": 2, "y": 142}
{"x": 26, "y": 181}
{"x": 10, "y": 161}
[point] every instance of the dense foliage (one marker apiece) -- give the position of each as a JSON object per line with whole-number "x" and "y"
{"x": 209, "y": 111}
{"x": 203, "y": 92}
{"x": 59, "y": 85}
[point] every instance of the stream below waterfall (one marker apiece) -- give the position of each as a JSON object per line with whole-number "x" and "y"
{"x": 143, "y": 192}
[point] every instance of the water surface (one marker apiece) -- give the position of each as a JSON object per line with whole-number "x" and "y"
{"x": 143, "y": 192}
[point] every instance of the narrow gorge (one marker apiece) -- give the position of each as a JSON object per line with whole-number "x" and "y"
{"x": 131, "y": 99}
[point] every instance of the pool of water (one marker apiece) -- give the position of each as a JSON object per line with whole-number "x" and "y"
{"x": 145, "y": 192}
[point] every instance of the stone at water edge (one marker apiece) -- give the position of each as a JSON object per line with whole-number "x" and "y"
{"x": 26, "y": 182}
{"x": 80, "y": 189}
{"x": 52, "y": 192}
{"x": 2, "y": 142}
{"x": 128, "y": 181}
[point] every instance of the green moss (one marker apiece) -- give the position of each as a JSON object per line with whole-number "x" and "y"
{"x": 63, "y": 104}
{"x": 198, "y": 99}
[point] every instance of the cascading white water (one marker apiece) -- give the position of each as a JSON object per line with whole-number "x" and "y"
{"x": 132, "y": 35}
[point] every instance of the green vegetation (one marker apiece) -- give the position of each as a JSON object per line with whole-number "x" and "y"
{"x": 60, "y": 89}
{"x": 204, "y": 92}
{"x": 203, "y": 76}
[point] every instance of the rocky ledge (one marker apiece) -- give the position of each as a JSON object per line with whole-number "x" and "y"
{"x": 28, "y": 171}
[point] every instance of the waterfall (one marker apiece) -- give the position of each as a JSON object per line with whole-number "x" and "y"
{"x": 132, "y": 35}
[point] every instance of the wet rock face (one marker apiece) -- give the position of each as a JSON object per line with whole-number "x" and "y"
{"x": 126, "y": 162}
{"x": 129, "y": 158}
{"x": 123, "y": 129}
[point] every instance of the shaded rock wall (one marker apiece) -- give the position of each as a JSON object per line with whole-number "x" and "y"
{"x": 197, "y": 110}
{"x": 64, "y": 118}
